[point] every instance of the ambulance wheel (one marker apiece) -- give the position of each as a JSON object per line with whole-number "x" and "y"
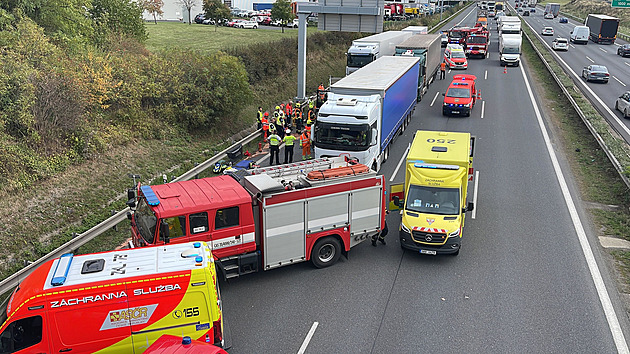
{"x": 326, "y": 252}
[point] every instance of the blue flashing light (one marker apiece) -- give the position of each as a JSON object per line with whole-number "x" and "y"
{"x": 152, "y": 199}
{"x": 198, "y": 259}
{"x": 197, "y": 244}
{"x": 61, "y": 271}
{"x": 186, "y": 340}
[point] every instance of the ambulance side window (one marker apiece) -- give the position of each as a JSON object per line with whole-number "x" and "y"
{"x": 227, "y": 217}
{"x": 21, "y": 334}
{"x": 176, "y": 226}
{"x": 198, "y": 223}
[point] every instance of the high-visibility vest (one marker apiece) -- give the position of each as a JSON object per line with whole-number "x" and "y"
{"x": 304, "y": 140}
{"x": 443, "y": 66}
{"x": 274, "y": 140}
{"x": 265, "y": 123}
{"x": 288, "y": 110}
{"x": 259, "y": 116}
{"x": 272, "y": 128}
{"x": 281, "y": 121}
{"x": 321, "y": 92}
{"x": 308, "y": 129}
{"x": 289, "y": 140}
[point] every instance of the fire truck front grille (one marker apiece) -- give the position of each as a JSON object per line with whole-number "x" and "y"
{"x": 428, "y": 237}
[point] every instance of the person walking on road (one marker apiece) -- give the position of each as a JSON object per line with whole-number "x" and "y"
{"x": 305, "y": 143}
{"x": 289, "y": 141}
{"x": 381, "y": 235}
{"x": 274, "y": 148}
{"x": 442, "y": 70}
{"x": 265, "y": 125}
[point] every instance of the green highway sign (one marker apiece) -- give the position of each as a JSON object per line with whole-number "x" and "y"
{"x": 620, "y": 3}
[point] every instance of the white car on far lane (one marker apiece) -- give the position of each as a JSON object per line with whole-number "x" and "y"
{"x": 547, "y": 31}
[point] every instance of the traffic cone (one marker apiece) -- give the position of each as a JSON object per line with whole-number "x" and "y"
{"x": 505, "y": 70}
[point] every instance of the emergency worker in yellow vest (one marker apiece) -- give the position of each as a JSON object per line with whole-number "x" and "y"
{"x": 274, "y": 148}
{"x": 289, "y": 142}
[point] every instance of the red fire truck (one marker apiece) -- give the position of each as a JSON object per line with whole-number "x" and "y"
{"x": 477, "y": 44}
{"x": 266, "y": 217}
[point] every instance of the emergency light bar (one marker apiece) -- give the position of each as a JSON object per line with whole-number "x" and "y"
{"x": 152, "y": 199}
{"x": 435, "y": 166}
{"x": 62, "y": 269}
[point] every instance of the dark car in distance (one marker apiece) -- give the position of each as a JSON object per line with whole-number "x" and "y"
{"x": 624, "y": 50}
{"x": 595, "y": 73}
{"x": 563, "y": 20}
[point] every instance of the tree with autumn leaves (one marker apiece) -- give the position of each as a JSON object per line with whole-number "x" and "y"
{"x": 154, "y": 7}
{"x": 216, "y": 10}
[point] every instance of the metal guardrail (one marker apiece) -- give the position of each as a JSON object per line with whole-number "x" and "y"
{"x": 588, "y": 124}
{"x": 12, "y": 281}
{"x": 444, "y": 21}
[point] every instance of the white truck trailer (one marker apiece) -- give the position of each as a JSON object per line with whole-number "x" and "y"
{"x": 365, "y": 50}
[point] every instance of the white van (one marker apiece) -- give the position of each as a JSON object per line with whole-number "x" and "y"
{"x": 580, "y": 34}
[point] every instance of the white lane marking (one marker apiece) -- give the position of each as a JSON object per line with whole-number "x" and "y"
{"x": 589, "y": 59}
{"x": 619, "y": 81}
{"x": 483, "y": 108}
{"x": 571, "y": 45}
{"x": 625, "y": 62}
{"x": 308, "y": 338}
{"x": 485, "y": 76}
{"x": 603, "y": 50}
{"x": 602, "y": 292}
{"x": 435, "y": 98}
{"x": 449, "y": 69}
{"x": 476, "y": 190}
{"x": 402, "y": 158}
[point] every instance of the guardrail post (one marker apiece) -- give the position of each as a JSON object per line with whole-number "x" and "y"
{"x": 74, "y": 235}
{"x": 197, "y": 175}
{"x": 115, "y": 228}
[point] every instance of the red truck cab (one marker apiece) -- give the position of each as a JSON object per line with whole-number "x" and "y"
{"x": 217, "y": 209}
{"x": 461, "y": 95}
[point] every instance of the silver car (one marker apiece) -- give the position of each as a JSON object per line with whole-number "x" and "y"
{"x": 623, "y": 104}
{"x": 596, "y": 73}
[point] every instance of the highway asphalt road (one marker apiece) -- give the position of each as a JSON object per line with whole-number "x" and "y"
{"x": 522, "y": 282}
{"x": 578, "y": 56}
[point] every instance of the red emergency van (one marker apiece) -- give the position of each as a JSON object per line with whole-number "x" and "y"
{"x": 114, "y": 302}
{"x": 461, "y": 95}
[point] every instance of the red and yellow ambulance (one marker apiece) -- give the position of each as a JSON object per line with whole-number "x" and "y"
{"x": 114, "y": 302}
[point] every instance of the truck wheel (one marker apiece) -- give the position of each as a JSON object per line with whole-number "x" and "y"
{"x": 326, "y": 252}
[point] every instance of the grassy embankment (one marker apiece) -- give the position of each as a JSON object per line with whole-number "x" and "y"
{"x": 598, "y": 181}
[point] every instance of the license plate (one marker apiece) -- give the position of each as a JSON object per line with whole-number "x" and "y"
{"x": 455, "y": 112}
{"x": 433, "y": 253}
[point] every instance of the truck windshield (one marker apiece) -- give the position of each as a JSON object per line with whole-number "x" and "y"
{"x": 145, "y": 220}
{"x": 3, "y": 310}
{"x": 511, "y": 50}
{"x": 358, "y": 61}
{"x": 456, "y": 34}
{"x": 352, "y": 137}
{"x": 476, "y": 40}
{"x": 433, "y": 200}
{"x": 457, "y": 92}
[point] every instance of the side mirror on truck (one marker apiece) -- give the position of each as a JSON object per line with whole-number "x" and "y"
{"x": 398, "y": 202}
{"x": 164, "y": 232}
{"x": 469, "y": 207}
{"x": 131, "y": 198}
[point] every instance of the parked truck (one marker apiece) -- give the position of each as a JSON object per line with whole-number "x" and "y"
{"x": 439, "y": 166}
{"x": 365, "y": 110}
{"x": 365, "y": 50}
{"x": 603, "y": 28}
{"x": 265, "y": 218}
{"x": 510, "y": 49}
{"x": 552, "y": 8}
{"x": 427, "y": 47}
